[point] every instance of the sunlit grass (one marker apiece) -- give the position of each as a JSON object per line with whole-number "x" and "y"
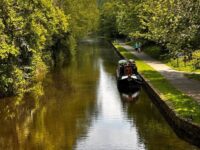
{"x": 120, "y": 48}
{"x": 181, "y": 66}
{"x": 183, "y": 105}
{"x": 155, "y": 52}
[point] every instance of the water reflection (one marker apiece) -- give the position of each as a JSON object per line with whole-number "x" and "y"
{"x": 16, "y": 116}
{"x": 151, "y": 127}
{"x": 130, "y": 97}
{"x": 111, "y": 130}
{"x": 82, "y": 109}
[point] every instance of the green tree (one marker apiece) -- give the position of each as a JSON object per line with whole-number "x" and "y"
{"x": 172, "y": 23}
{"x": 28, "y": 29}
{"x": 32, "y": 34}
{"x": 108, "y": 19}
{"x": 127, "y": 19}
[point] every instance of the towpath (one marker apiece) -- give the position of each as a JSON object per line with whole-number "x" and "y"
{"x": 188, "y": 86}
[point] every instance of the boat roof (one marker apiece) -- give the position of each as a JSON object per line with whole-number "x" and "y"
{"x": 122, "y": 62}
{"x": 131, "y": 60}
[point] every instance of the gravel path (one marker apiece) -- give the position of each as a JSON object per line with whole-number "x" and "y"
{"x": 188, "y": 86}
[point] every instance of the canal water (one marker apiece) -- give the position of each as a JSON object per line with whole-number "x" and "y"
{"x": 81, "y": 109}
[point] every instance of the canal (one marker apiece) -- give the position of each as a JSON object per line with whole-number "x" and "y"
{"x": 81, "y": 109}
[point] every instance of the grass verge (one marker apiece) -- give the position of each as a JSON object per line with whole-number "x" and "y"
{"x": 155, "y": 52}
{"x": 183, "y": 105}
{"x": 193, "y": 76}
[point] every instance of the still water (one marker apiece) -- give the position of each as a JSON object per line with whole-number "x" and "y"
{"x": 81, "y": 109}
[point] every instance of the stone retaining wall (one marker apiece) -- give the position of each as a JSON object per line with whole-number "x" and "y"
{"x": 183, "y": 128}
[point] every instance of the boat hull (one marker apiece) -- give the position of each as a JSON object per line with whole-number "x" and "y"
{"x": 128, "y": 85}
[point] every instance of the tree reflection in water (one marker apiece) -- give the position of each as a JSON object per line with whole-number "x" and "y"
{"x": 64, "y": 113}
{"x": 66, "y": 109}
{"x": 16, "y": 116}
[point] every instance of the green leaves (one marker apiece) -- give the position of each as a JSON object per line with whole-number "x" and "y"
{"x": 29, "y": 30}
{"x": 26, "y": 29}
{"x": 108, "y": 19}
{"x": 127, "y": 19}
{"x": 170, "y": 23}
{"x": 7, "y": 50}
{"x": 83, "y": 14}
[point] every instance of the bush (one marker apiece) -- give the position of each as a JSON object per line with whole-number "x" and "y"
{"x": 12, "y": 80}
{"x": 154, "y": 51}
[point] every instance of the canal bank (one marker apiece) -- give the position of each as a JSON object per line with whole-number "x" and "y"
{"x": 181, "y": 112}
{"x": 81, "y": 109}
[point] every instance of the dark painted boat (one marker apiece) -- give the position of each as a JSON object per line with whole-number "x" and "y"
{"x": 128, "y": 79}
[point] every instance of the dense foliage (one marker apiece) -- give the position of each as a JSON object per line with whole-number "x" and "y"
{"x": 173, "y": 24}
{"x": 31, "y": 31}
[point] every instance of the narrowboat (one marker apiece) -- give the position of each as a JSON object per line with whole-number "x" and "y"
{"x": 128, "y": 79}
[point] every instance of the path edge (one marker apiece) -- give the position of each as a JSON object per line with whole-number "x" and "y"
{"x": 184, "y": 129}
